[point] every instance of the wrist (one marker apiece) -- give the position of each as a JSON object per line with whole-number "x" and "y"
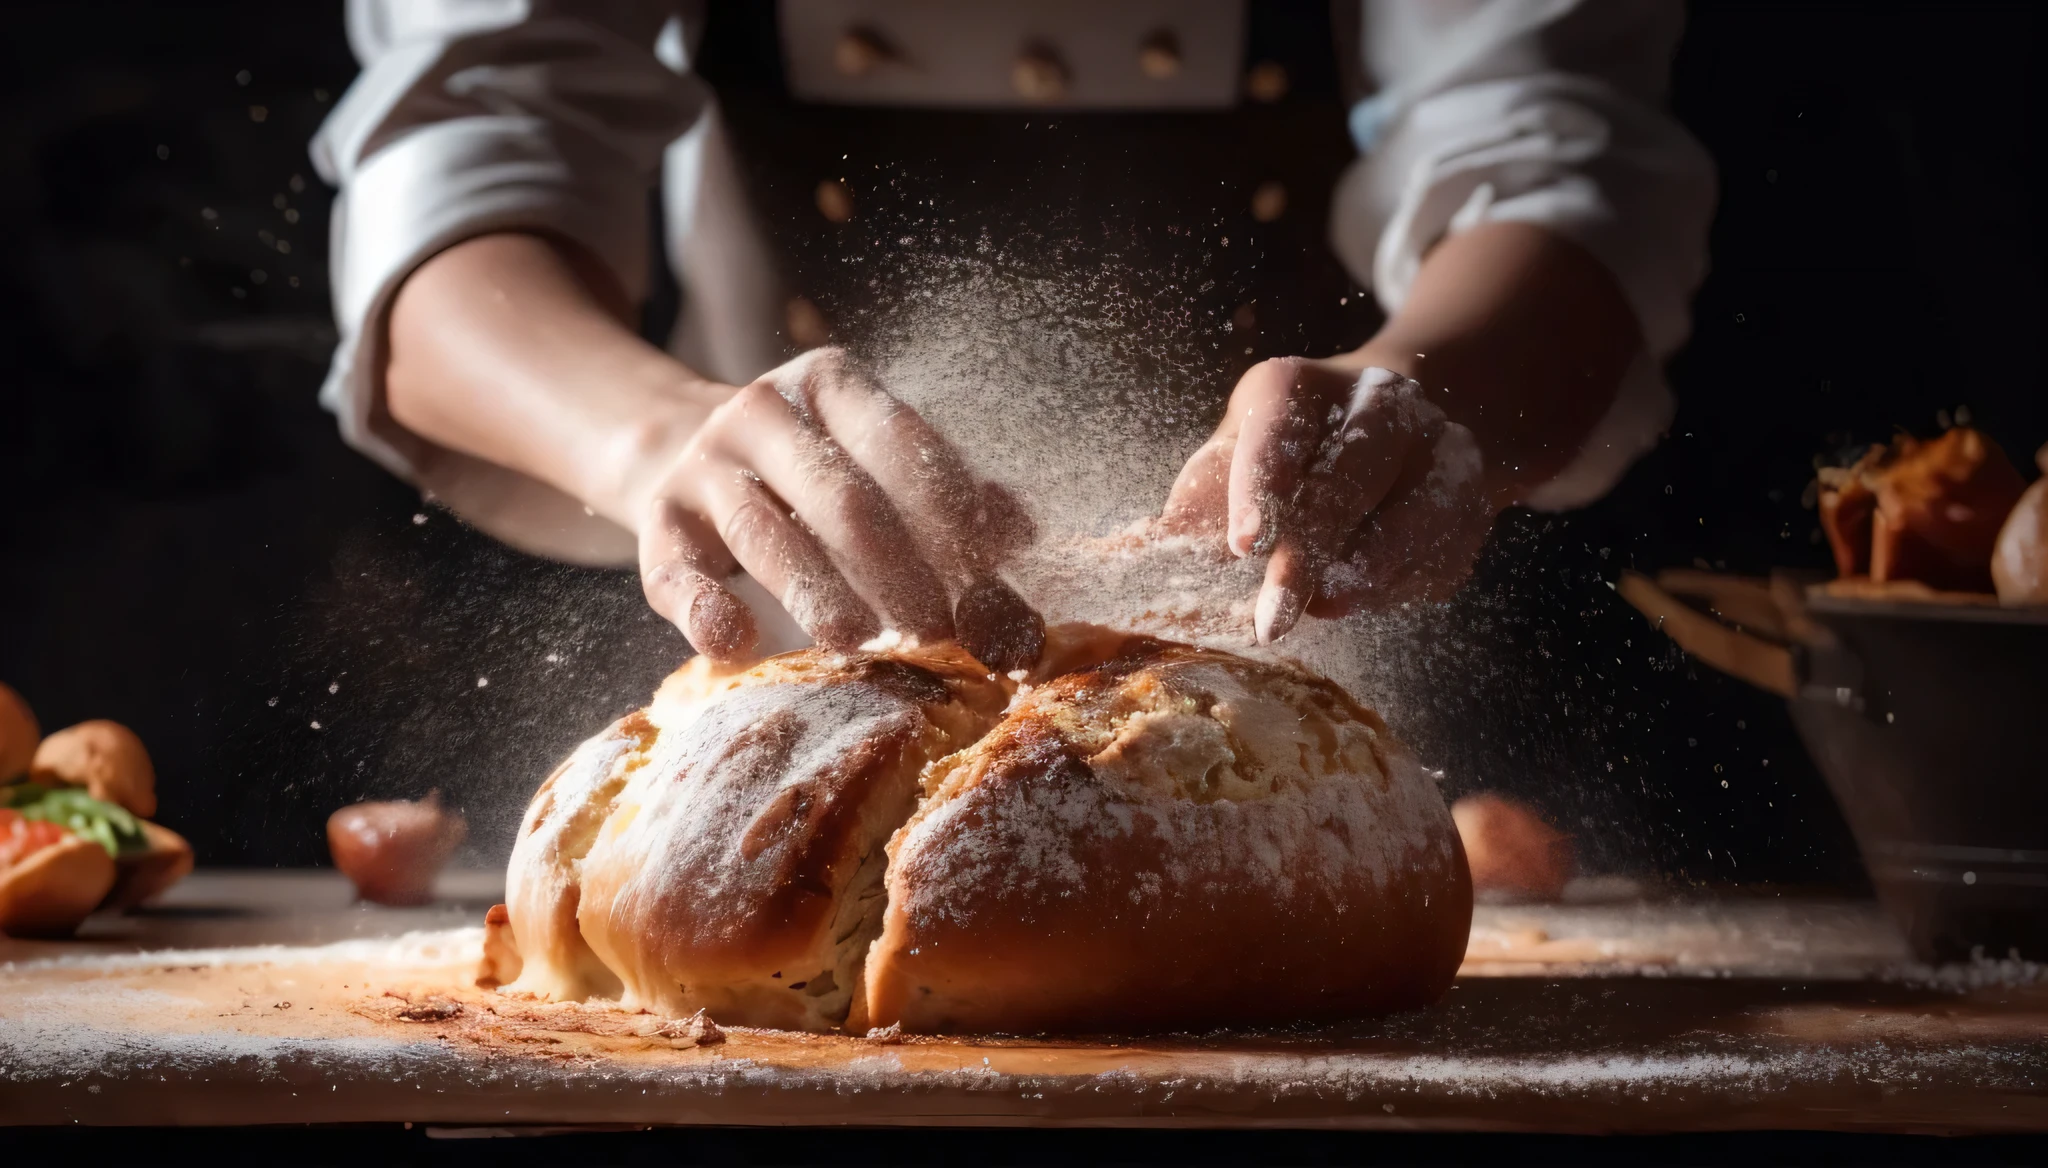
{"x": 629, "y": 460}
{"x": 1510, "y": 449}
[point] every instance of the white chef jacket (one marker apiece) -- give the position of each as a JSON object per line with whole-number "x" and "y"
{"x": 473, "y": 116}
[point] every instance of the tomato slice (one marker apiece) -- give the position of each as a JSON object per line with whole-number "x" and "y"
{"x": 21, "y": 837}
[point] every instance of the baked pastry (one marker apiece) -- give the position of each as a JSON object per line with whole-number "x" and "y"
{"x": 1512, "y": 851}
{"x": 1848, "y": 499}
{"x": 1939, "y": 507}
{"x": 50, "y": 879}
{"x": 163, "y": 860}
{"x": 391, "y": 851}
{"x": 64, "y": 854}
{"x": 1926, "y": 511}
{"x": 1176, "y": 838}
{"x": 1166, "y": 838}
{"x": 2019, "y": 562}
{"x": 724, "y": 849}
{"x": 106, "y": 758}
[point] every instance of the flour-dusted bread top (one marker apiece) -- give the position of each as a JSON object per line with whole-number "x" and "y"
{"x": 1176, "y": 838}
{"x": 724, "y": 850}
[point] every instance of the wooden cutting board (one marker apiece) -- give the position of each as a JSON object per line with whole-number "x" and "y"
{"x": 1738, "y": 1013}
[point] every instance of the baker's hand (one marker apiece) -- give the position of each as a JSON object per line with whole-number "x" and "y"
{"x": 844, "y": 504}
{"x": 1365, "y": 495}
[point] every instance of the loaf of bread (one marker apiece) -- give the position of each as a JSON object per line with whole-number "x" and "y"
{"x": 723, "y": 850}
{"x": 1143, "y": 836}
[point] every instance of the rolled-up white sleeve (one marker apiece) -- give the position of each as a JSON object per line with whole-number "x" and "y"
{"x": 472, "y": 116}
{"x": 1539, "y": 111}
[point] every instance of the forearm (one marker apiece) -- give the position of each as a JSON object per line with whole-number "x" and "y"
{"x": 513, "y": 348}
{"x": 1520, "y": 335}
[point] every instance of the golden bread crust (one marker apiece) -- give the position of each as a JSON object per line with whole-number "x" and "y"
{"x": 53, "y": 889}
{"x": 1162, "y": 837}
{"x": 719, "y": 851}
{"x": 1177, "y": 838}
{"x": 140, "y": 876}
{"x": 104, "y": 757}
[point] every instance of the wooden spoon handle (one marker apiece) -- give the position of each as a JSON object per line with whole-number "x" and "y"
{"x": 1754, "y": 660}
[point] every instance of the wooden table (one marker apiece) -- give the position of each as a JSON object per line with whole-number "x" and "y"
{"x": 269, "y": 998}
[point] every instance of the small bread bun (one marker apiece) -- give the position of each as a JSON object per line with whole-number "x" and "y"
{"x": 392, "y": 851}
{"x": 142, "y": 875}
{"x": 51, "y": 890}
{"x": 2019, "y": 564}
{"x": 1174, "y": 839}
{"x": 19, "y": 734}
{"x": 1514, "y": 854}
{"x": 106, "y": 758}
{"x": 724, "y": 850}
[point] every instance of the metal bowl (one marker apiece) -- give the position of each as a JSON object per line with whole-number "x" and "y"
{"x": 1929, "y": 722}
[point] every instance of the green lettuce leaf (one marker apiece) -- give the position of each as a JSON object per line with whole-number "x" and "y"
{"x": 70, "y": 808}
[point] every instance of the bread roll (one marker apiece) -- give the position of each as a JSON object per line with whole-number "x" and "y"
{"x": 392, "y": 851}
{"x": 50, "y": 890}
{"x": 1169, "y": 838}
{"x": 1512, "y": 851}
{"x": 19, "y": 734}
{"x": 2019, "y": 563}
{"x": 106, "y": 758}
{"x": 1174, "y": 839}
{"x": 724, "y": 850}
{"x": 138, "y": 876}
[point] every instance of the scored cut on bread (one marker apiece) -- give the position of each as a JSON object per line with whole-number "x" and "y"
{"x": 1161, "y": 837}
{"x": 730, "y": 858}
{"x": 1177, "y": 838}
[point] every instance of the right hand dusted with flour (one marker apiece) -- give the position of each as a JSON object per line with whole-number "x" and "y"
{"x": 846, "y": 505}
{"x": 1364, "y": 493}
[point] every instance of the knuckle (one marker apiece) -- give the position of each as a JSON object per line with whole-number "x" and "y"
{"x": 1278, "y": 368}
{"x": 825, "y": 358}
{"x": 762, "y": 394}
{"x": 750, "y": 523}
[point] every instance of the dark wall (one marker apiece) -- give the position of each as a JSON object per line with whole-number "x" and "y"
{"x": 190, "y": 549}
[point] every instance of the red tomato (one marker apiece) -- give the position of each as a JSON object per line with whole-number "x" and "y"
{"x": 21, "y": 837}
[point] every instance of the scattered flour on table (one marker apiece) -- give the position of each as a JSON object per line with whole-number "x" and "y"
{"x": 429, "y": 947}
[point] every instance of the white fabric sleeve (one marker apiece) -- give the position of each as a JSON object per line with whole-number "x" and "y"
{"x": 473, "y": 116}
{"x": 1537, "y": 111}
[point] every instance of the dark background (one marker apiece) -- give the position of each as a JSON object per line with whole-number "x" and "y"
{"x": 189, "y": 548}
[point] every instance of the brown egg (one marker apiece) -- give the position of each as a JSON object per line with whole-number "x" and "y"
{"x": 106, "y": 758}
{"x": 391, "y": 851}
{"x": 1511, "y": 850}
{"x": 18, "y": 734}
